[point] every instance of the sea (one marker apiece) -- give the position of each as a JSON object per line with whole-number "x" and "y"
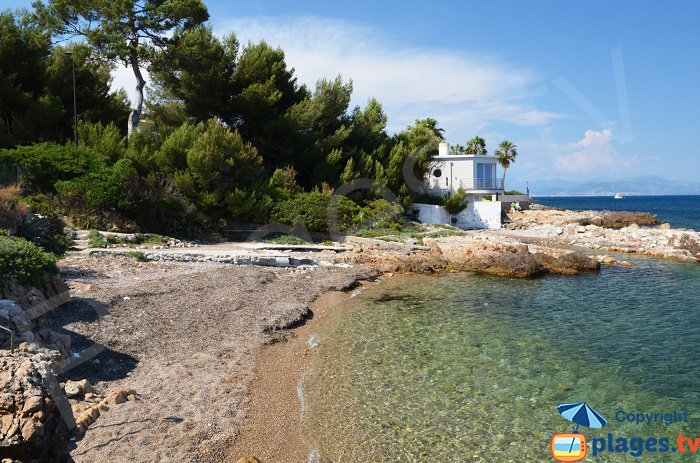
{"x": 471, "y": 368}
{"x": 679, "y": 211}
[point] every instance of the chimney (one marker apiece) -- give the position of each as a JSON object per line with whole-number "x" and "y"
{"x": 443, "y": 149}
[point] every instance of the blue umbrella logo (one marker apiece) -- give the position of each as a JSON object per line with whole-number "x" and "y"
{"x": 581, "y": 415}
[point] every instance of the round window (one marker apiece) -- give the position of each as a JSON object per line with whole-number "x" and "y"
{"x": 437, "y": 173}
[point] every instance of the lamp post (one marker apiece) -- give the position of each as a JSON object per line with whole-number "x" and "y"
{"x": 75, "y": 102}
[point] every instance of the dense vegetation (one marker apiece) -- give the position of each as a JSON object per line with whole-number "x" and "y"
{"x": 226, "y": 136}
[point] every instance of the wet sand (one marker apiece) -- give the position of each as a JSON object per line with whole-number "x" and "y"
{"x": 272, "y": 430}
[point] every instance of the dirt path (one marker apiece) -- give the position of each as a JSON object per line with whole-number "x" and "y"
{"x": 185, "y": 338}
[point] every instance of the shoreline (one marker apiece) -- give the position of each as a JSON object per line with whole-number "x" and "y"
{"x": 216, "y": 368}
{"x": 273, "y": 428}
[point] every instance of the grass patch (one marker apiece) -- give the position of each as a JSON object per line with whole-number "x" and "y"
{"x": 138, "y": 255}
{"x": 287, "y": 240}
{"x": 96, "y": 240}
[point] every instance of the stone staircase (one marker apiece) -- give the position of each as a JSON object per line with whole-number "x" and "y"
{"x": 80, "y": 240}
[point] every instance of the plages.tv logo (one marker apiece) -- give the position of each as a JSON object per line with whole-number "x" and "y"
{"x": 572, "y": 446}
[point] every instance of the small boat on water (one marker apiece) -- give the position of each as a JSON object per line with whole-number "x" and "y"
{"x": 618, "y": 195}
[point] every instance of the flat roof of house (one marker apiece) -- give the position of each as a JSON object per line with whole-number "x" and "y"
{"x": 464, "y": 157}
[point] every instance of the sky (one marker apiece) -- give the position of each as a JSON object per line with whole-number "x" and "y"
{"x": 585, "y": 89}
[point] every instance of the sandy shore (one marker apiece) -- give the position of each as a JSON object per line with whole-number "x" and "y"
{"x": 184, "y": 337}
{"x": 272, "y": 431}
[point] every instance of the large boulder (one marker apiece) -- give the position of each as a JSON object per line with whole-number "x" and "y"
{"x": 31, "y": 426}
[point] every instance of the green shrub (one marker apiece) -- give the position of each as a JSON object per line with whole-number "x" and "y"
{"x": 381, "y": 213}
{"x": 109, "y": 188}
{"x": 456, "y": 203}
{"x": 287, "y": 240}
{"x": 312, "y": 210}
{"x": 513, "y": 192}
{"x": 46, "y": 232}
{"x": 41, "y": 165}
{"x": 138, "y": 255}
{"x": 285, "y": 179}
{"x": 96, "y": 240}
{"x": 172, "y": 154}
{"x": 103, "y": 141}
{"x": 24, "y": 260}
{"x": 427, "y": 198}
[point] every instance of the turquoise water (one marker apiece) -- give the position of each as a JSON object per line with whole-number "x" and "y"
{"x": 470, "y": 368}
{"x": 679, "y": 211}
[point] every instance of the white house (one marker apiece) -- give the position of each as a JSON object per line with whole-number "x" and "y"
{"x": 475, "y": 173}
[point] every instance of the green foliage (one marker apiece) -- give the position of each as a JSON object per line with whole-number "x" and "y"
{"x": 195, "y": 73}
{"x": 427, "y": 198}
{"x": 24, "y": 260}
{"x": 103, "y": 141}
{"x": 514, "y": 192}
{"x": 380, "y": 213}
{"x": 313, "y": 210}
{"x": 172, "y": 155}
{"x": 456, "y": 203}
{"x": 285, "y": 180}
{"x": 138, "y": 255}
{"x": 96, "y": 240}
{"x": 41, "y": 165}
{"x": 506, "y": 152}
{"x": 126, "y": 32}
{"x": 46, "y": 232}
{"x": 477, "y": 145}
{"x": 36, "y": 85}
{"x": 108, "y": 188}
{"x": 287, "y": 240}
{"x": 220, "y": 160}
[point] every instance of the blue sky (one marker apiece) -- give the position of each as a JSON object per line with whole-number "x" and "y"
{"x": 585, "y": 89}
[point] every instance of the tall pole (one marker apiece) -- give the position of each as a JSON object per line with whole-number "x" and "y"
{"x": 75, "y": 106}
{"x": 75, "y": 101}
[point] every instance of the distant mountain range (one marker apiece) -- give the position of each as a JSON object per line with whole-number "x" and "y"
{"x": 649, "y": 185}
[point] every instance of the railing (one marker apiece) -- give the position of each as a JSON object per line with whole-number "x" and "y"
{"x": 482, "y": 184}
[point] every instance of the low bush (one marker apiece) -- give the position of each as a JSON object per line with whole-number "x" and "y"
{"x": 47, "y": 232}
{"x": 24, "y": 260}
{"x": 109, "y": 188}
{"x": 287, "y": 240}
{"x": 456, "y": 203}
{"x": 96, "y": 240}
{"x": 41, "y": 165}
{"x": 381, "y": 213}
{"x": 314, "y": 209}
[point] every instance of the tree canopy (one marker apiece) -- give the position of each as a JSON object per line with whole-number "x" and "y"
{"x": 36, "y": 87}
{"x": 126, "y": 31}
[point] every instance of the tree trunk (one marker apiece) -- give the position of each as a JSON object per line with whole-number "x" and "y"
{"x": 503, "y": 180}
{"x": 137, "y": 106}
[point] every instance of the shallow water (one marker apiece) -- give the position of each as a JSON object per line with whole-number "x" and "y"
{"x": 470, "y": 368}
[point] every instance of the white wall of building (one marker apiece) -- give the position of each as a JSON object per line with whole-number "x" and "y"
{"x": 448, "y": 173}
{"x": 477, "y": 215}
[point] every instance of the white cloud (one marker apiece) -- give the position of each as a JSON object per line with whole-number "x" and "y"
{"x": 595, "y": 152}
{"x": 462, "y": 91}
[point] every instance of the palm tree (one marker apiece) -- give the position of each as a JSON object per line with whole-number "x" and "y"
{"x": 506, "y": 152}
{"x": 476, "y": 145}
{"x": 431, "y": 124}
{"x": 459, "y": 149}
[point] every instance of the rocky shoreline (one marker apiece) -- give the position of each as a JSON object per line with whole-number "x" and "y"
{"x": 183, "y": 328}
